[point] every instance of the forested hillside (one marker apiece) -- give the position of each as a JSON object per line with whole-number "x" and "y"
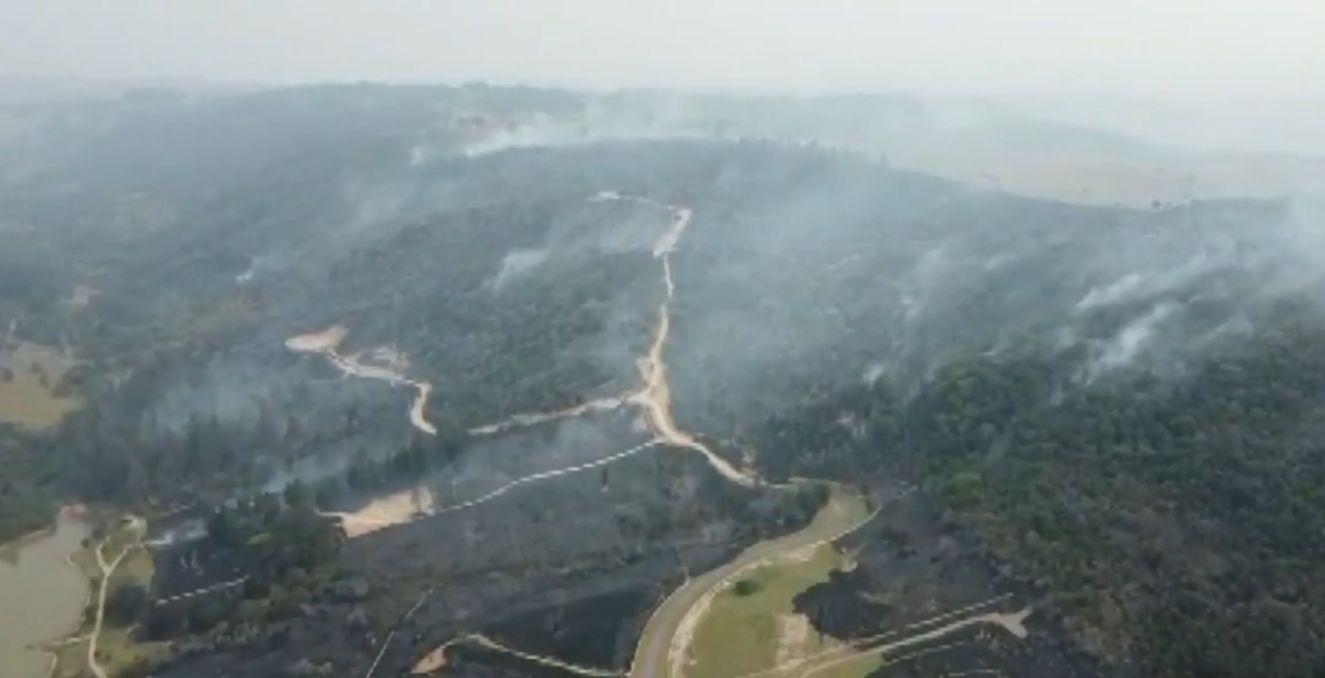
{"x": 1115, "y": 410}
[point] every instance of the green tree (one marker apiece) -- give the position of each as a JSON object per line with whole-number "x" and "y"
{"x": 127, "y": 603}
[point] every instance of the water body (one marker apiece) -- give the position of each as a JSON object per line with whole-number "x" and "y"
{"x": 41, "y": 594}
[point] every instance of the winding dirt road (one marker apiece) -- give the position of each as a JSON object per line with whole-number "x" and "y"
{"x": 134, "y": 528}
{"x": 436, "y": 660}
{"x": 519, "y": 421}
{"x": 662, "y": 651}
{"x": 326, "y": 343}
{"x": 1012, "y": 622}
{"x": 654, "y": 397}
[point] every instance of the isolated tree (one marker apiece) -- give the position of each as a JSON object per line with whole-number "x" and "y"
{"x": 127, "y": 603}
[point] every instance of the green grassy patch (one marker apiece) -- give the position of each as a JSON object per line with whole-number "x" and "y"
{"x": 751, "y": 624}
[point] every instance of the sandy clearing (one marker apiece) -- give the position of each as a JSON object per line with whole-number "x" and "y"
{"x": 393, "y": 509}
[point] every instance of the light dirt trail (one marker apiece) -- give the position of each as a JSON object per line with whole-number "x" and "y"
{"x": 656, "y": 399}
{"x": 695, "y": 597}
{"x": 386, "y": 642}
{"x": 416, "y": 408}
{"x": 406, "y": 505}
{"x": 519, "y": 421}
{"x": 326, "y": 343}
{"x": 859, "y": 646}
{"x": 107, "y": 569}
{"x": 545, "y": 475}
{"x": 436, "y": 660}
{"x": 662, "y": 649}
{"x": 1011, "y": 622}
{"x": 654, "y": 396}
{"x": 669, "y": 630}
{"x": 201, "y": 591}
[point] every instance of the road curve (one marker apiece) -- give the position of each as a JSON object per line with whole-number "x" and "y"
{"x": 663, "y": 641}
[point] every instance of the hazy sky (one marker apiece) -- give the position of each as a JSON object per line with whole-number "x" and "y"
{"x": 1206, "y": 72}
{"x": 1154, "y": 48}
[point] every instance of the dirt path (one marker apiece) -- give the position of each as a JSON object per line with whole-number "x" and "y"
{"x": 392, "y": 634}
{"x": 407, "y": 505}
{"x": 201, "y": 591}
{"x": 416, "y": 408}
{"x": 921, "y": 631}
{"x": 107, "y": 569}
{"x": 326, "y": 343}
{"x": 1012, "y": 622}
{"x": 436, "y": 660}
{"x": 669, "y": 630}
{"x": 545, "y": 475}
{"x": 535, "y": 418}
{"x": 664, "y": 644}
{"x": 654, "y": 396}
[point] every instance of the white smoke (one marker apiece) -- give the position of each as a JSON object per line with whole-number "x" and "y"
{"x": 594, "y": 126}
{"x": 872, "y": 373}
{"x": 1123, "y": 288}
{"x": 418, "y": 154}
{"x": 1138, "y": 285}
{"x": 515, "y": 264}
{"x": 1129, "y": 343}
{"x": 189, "y": 531}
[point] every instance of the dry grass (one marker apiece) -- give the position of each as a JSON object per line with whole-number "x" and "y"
{"x": 26, "y": 399}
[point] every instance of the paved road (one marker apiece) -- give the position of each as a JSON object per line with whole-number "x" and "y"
{"x": 845, "y": 512}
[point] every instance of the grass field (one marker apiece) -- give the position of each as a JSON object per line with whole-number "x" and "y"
{"x": 26, "y": 397}
{"x": 752, "y": 627}
{"x": 116, "y": 648}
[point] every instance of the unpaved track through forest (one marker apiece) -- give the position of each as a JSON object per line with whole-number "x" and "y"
{"x": 662, "y": 649}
